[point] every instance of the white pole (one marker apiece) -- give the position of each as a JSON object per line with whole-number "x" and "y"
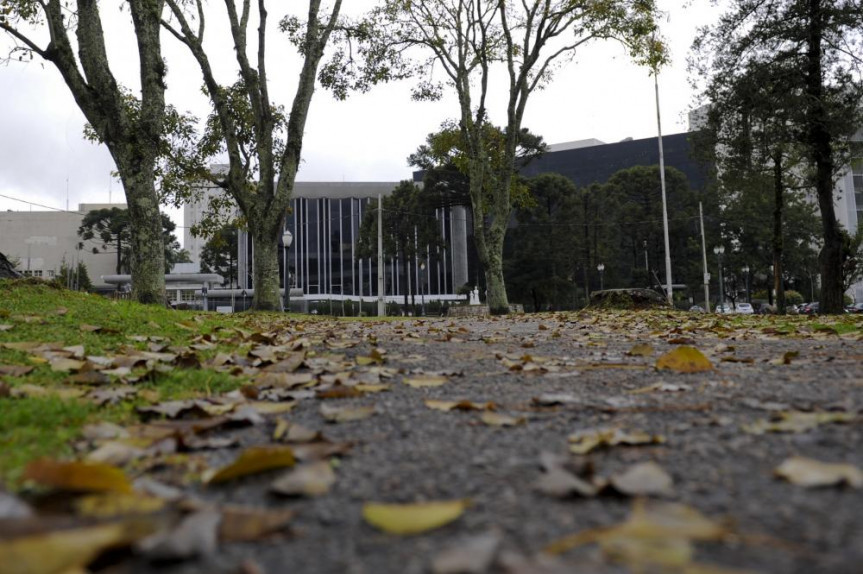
{"x": 382, "y": 309}
{"x": 704, "y": 258}
{"x": 664, "y": 202}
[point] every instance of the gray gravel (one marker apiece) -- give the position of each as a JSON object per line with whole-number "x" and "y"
{"x": 409, "y": 453}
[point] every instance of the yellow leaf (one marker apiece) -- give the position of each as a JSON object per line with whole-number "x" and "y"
{"x": 500, "y": 420}
{"x": 812, "y": 473}
{"x": 585, "y": 441}
{"x": 312, "y": 479}
{"x": 115, "y": 504}
{"x": 447, "y": 406}
{"x": 371, "y": 387}
{"x": 419, "y": 381}
{"x": 405, "y": 519}
{"x": 270, "y": 408}
{"x": 684, "y": 360}
{"x": 77, "y": 476}
{"x": 346, "y": 414}
{"x": 640, "y": 350}
{"x": 67, "y": 550}
{"x": 252, "y": 461}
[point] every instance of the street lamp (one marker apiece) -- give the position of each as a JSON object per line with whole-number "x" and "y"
{"x": 600, "y": 268}
{"x": 719, "y": 250}
{"x": 422, "y": 288}
{"x": 287, "y": 239}
{"x": 748, "y": 294}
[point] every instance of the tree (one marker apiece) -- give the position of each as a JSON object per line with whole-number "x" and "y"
{"x": 467, "y": 40}
{"x": 76, "y": 278}
{"x": 802, "y": 50}
{"x": 263, "y": 144}
{"x": 852, "y": 257}
{"x": 132, "y": 139}
{"x": 409, "y": 229}
{"x": 7, "y": 268}
{"x": 219, "y": 254}
{"x": 541, "y": 257}
{"x": 109, "y": 230}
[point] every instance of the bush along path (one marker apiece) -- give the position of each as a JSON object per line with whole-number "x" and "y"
{"x": 140, "y": 440}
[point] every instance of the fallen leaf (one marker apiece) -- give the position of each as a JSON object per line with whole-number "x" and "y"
{"x": 555, "y": 399}
{"x": 494, "y": 419}
{"x": 67, "y": 547}
{"x": 371, "y": 387}
{"x": 312, "y": 479}
{"x": 640, "y": 350}
{"x": 195, "y": 535}
{"x": 77, "y": 476}
{"x": 253, "y": 460}
{"x": 15, "y": 370}
{"x": 661, "y": 387}
{"x": 472, "y": 555}
{"x": 66, "y": 365}
{"x": 339, "y": 392}
{"x": 447, "y": 406}
{"x": 558, "y": 482}
{"x": 114, "y": 504}
{"x": 643, "y": 479}
{"x": 249, "y": 524}
{"x": 335, "y": 414}
{"x": 425, "y": 380}
{"x": 583, "y": 442}
{"x": 796, "y": 422}
{"x": 684, "y": 360}
{"x": 811, "y": 473}
{"x": 407, "y": 519}
{"x": 292, "y": 432}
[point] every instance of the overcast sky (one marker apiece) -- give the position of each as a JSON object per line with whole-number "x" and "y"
{"x": 44, "y": 158}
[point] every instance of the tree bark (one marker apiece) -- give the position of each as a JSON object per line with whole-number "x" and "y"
{"x": 778, "y": 239}
{"x": 821, "y": 149}
{"x": 265, "y": 271}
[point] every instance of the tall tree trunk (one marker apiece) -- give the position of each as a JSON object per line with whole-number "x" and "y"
{"x": 778, "y": 241}
{"x": 265, "y": 272}
{"x": 821, "y": 148}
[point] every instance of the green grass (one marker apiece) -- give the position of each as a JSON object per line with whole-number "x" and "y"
{"x": 36, "y": 426}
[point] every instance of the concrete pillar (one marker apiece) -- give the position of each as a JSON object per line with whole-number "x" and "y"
{"x": 458, "y": 247}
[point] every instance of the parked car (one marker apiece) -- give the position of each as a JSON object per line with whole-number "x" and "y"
{"x": 854, "y": 308}
{"x": 697, "y": 309}
{"x": 809, "y": 309}
{"x": 745, "y": 308}
{"x": 724, "y": 308}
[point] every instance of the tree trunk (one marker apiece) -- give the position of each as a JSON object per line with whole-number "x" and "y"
{"x": 821, "y": 147}
{"x": 265, "y": 272}
{"x": 778, "y": 243}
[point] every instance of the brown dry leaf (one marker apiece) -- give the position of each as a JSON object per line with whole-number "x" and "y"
{"x": 6, "y": 327}
{"x": 253, "y": 460}
{"x": 117, "y": 453}
{"x": 269, "y": 408}
{"x": 465, "y": 405}
{"x": 372, "y": 387}
{"x": 472, "y": 555}
{"x": 658, "y": 534}
{"x": 54, "y": 547}
{"x": 250, "y": 524}
{"x": 643, "y": 479}
{"x": 583, "y": 442}
{"x": 811, "y": 473}
{"x": 339, "y": 392}
{"x": 90, "y": 328}
{"x": 640, "y": 350}
{"x": 335, "y": 414}
{"x": 195, "y": 535}
{"x": 114, "y": 504}
{"x": 64, "y": 365}
{"x": 425, "y": 380}
{"x": 310, "y": 451}
{"x": 684, "y": 360}
{"x": 407, "y": 519}
{"x": 312, "y": 479}
{"x": 77, "y": 476}
{"x": 558, "y": 482}
{"x": 292, "y": 432}
{"x": 112, "y": 396}
{"x": 494, "y": 419}
{"x": 796, "y": 422}
{"x": 15, "y": 370}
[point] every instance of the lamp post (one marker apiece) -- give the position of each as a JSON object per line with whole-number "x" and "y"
{"x": 719, "y": 250}
{"x": 748, "y": 294}
{"x": 646, "y": 266}
{"x": 422, "y": 288}
{"x": 287, "y": 239}
{"x": 600, "y": 268}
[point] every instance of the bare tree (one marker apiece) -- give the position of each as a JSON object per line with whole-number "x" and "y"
{"x": 469, "y": 40}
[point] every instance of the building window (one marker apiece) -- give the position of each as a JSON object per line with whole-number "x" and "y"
{"x": 187, "y": 295}
{"x": 28, "y": 273}
{"x": 37, "y": 273}
{"x": 51, "y": 273}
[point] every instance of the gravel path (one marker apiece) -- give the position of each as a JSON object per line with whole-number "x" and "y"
{"x": 410, "y": 453}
